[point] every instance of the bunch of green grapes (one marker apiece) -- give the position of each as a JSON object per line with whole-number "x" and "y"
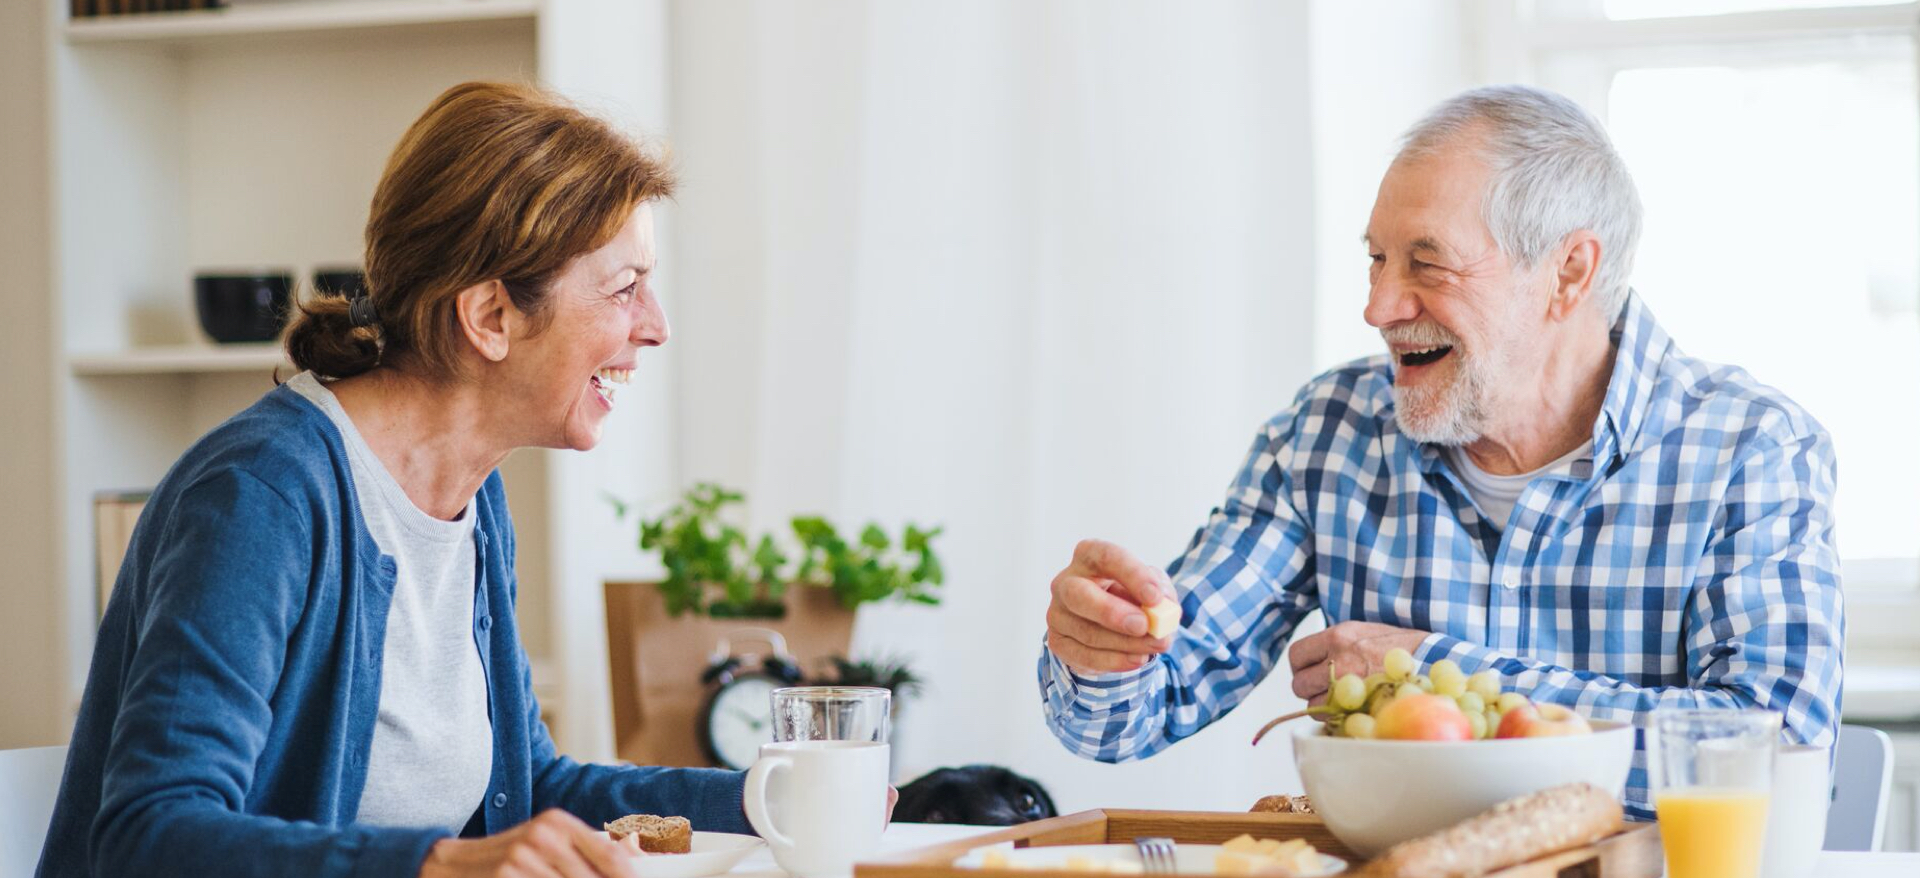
{"x": 1353, "y": 702}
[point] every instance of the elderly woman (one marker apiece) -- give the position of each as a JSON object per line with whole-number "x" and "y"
{"x": 310, "y": 664}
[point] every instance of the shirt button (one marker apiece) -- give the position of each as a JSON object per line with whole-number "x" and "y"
{"x": 1512, "y": 580}
{"x": 499, "y": 800}
{"x": 486, "y": 622}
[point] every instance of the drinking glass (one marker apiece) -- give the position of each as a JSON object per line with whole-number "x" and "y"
{"x": 832, "y": 713}
{"x": 1710, "y": 772}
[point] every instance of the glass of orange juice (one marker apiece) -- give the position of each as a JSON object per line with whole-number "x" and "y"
{"x": 1710, "y": 772}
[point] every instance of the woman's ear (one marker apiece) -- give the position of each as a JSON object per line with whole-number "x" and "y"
{"x": 486, "y": 313}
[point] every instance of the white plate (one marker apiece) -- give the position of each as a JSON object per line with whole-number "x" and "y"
{"x": 1191, "y": 859}
{"x": 711, "y": 854}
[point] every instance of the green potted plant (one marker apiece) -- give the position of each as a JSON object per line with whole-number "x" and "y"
{"x": 711, "y": 570}
{"x": 718, "y": 578}
{"x": 872, "y": 568}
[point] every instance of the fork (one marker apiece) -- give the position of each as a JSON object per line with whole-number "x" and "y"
{"x": 1156, "y": 855}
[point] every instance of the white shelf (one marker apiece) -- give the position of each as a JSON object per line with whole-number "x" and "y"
{"x": 306, "y": 16}
{"x": 181, "y": 360}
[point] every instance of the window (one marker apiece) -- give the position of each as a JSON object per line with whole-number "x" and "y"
{"x": 1630, "y": 9}
{"x": 1777, "y": 151}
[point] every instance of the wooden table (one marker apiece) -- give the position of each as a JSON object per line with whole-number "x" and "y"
{"x": 907, "y": 836}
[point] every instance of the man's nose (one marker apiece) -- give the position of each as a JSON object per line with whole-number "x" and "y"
{"x": 1389, "y": 302}
{"x": 651, "y": 329}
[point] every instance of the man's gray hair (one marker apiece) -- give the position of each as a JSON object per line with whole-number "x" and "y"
{"x": 1553, "y": 171}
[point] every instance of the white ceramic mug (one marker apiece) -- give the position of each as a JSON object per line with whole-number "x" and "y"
{"x": 821, "y": 805}
{"x": 1796, "y": 812}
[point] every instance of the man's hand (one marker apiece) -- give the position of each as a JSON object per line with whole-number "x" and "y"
{"x": 1095, "y": 624}
{"x": 1358, "y": 648}
{"x": 554, "y": 843}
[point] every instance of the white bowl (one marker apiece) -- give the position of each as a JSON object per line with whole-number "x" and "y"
{"x": 1375, "y": 794}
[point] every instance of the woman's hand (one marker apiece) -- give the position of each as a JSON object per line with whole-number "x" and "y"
{"x": 554, "y": 844}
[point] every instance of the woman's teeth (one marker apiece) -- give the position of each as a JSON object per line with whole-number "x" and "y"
{"x": 604, "y": 379}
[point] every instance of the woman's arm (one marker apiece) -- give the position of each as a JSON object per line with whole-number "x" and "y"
{"x": 709, "y": 797}
{"x": 223, "y": 597}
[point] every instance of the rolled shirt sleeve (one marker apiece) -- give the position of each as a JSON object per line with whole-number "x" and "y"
{"x": 1244, "y": 584}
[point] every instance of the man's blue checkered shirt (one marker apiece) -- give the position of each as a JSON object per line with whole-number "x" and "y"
{"x": 1689, "y": 561}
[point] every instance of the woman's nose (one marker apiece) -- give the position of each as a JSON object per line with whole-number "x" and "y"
{"x": 651, "y": 329}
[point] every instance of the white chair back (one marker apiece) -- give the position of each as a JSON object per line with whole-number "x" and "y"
{"x": 1862, "y": 778}
{"x": 29, "y": 781}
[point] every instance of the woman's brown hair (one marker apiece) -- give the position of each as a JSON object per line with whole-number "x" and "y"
{"x": 493, "y": 182}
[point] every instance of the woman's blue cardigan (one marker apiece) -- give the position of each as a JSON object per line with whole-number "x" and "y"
{"x": 236, "y": 678}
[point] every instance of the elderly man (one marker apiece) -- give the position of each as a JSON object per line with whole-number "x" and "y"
{"x": 1534, "y": 481}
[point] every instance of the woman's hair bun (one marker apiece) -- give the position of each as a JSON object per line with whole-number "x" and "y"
{"x": 323, "y": 339}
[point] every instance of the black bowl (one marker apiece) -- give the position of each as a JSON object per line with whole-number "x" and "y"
{"x": 243, "y": 307}
{"x": 348, "y": 282}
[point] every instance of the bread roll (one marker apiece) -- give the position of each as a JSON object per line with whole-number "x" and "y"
{"x": 655, "y": 835}
{"x": 1514, "y": 831}
{"x": 1282, "y": 805}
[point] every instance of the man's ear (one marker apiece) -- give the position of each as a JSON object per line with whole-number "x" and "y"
{"x": 485, "y": 315}
{"x": 1579, "y": 261}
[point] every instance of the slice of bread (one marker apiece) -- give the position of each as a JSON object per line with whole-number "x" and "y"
{"x": 656, "y": 835}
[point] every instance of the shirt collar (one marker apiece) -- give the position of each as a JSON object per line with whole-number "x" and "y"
{"x": 1640, "y": 346}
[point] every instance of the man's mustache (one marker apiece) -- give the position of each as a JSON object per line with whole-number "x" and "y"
{"x": 1424, "y": 333}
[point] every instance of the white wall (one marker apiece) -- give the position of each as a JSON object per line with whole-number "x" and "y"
{"x": 1033, "y": 271}
{"x": 1377, "y": 66}
{"x": 611, "y": 56}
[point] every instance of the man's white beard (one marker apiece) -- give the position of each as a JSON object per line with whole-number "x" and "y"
{"x": 1454, "y": 413}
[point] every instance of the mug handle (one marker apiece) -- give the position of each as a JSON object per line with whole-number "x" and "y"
{"x": 754, "y": 797}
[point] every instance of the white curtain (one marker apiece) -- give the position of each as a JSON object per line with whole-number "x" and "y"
{"x": 1035, "y": 271}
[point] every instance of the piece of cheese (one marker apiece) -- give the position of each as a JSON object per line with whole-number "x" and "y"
{"x": 995, "y": 859}
{"x": 1163, "y": 619}
{"x": 1270, "y": 857}
{"x": 1240, "y": 844}
{"x": 1234, "y": 863}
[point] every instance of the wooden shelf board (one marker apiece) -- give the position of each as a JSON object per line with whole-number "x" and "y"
{"x": 181, "y": 360}
{"x": 307, "y": 16}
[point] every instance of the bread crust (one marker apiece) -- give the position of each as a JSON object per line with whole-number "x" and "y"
{"x": 1282, "y": 805}
{"x": 1512, "y": 832}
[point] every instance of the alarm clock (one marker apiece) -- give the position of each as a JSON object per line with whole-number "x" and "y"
{"x": 738, "y": 715}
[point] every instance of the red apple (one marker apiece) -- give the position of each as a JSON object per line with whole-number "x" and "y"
{"x": 1422, "y": 717}
{"x": 1541, "y": 721}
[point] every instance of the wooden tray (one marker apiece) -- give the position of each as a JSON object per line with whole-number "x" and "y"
{"x": 1632, "y": 853}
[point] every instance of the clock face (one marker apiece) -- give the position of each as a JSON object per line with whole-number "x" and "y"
{"x": 742, "y": 719}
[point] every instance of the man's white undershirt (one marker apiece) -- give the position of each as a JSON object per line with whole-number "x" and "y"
{"x": 1497, "y": 495}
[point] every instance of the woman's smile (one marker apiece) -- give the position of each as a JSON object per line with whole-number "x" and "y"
{"x": 605, "y": 379}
